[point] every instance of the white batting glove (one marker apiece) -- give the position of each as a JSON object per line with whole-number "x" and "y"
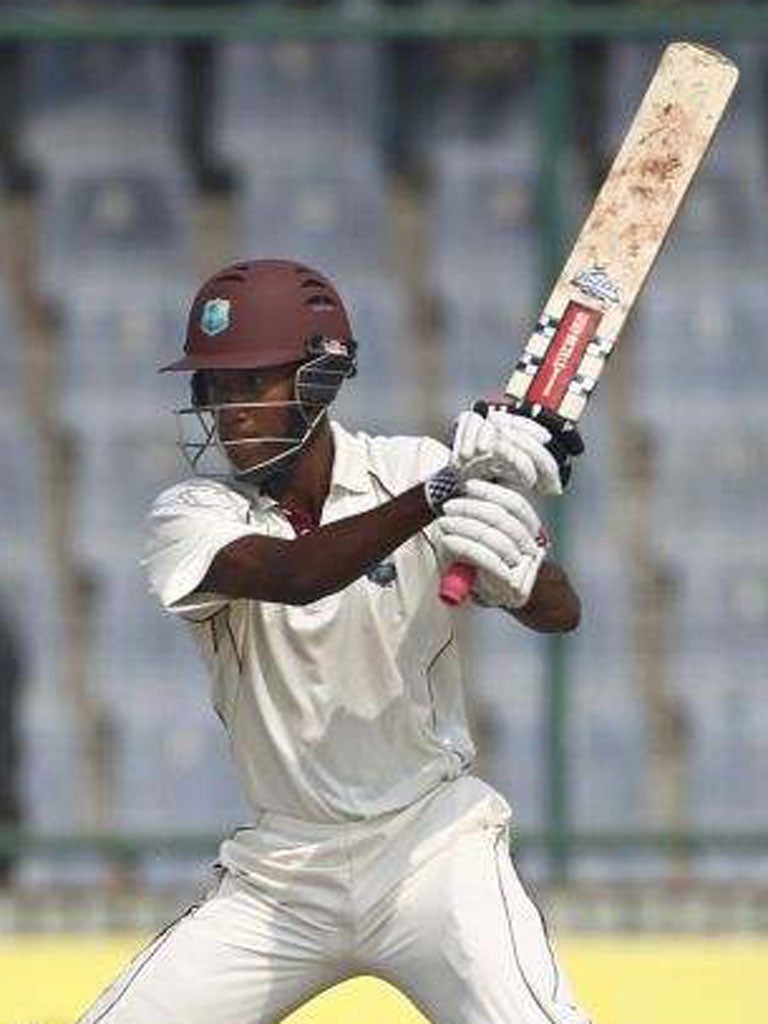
{"x": 498, "y": 531}
{"x": 506, "y": 447}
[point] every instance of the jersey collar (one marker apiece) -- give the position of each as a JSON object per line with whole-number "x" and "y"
{"x": 350, "y": 465}
{"x": 349, "y": 472}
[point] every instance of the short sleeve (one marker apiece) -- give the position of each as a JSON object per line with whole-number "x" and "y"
{"x": 186, "y": 528}
{"x": 403, "y": 462}
{"x": 432, "y": 456}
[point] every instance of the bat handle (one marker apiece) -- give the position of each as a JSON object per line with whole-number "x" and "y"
{"x": 456, "y": 583}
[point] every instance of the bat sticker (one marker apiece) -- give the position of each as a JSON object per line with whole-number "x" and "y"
{"x": 577, "y": 329}
{"x": 597, "y": 284}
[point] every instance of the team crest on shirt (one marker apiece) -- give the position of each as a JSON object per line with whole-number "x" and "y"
{"x": 383, "y": 574}
{"x": 215, "y": 316}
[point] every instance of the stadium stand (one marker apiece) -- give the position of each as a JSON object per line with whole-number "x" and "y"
{"x": 68, "y": 91}
{"x": 482, "y": 260}
{"x": 383, "y": 397}
{"x": 126, "y": 336}
{"x": 302, "y": 125}
{"x": 114, "y": 223}
{"x": 505, "y": 678}
{"x": 335, "y": 217}
{"x": 291, "y": 102}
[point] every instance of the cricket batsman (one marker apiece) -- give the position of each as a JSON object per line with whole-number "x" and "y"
{"x": 306, "y": 561}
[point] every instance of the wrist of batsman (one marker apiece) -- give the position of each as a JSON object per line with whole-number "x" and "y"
{"x": 443, "y": 485}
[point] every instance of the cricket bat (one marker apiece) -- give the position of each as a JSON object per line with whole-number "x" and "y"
{"x": 579, "y": 325}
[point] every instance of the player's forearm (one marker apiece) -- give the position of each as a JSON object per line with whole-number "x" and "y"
{"x": 338, "y": 554}
{"x": 554, "y": 606}
{"x": 317, "y": 564}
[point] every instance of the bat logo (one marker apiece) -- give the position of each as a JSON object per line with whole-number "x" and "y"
{"x": 596, "y": 283}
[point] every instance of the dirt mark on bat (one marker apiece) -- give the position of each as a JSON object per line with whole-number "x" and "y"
{"x": 670, "y": 113}
{"x": 662, "y": 168}
{"x": 639, "y": 235}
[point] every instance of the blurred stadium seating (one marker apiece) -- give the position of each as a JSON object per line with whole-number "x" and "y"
{"x": 304, "y": 126}
{"x": 291, "y": 104}
{"x": 482, "y": 255}
{"x": 121, "y": 333}
{"x": 335, "y": 216}
{"x": 114, "y": 223}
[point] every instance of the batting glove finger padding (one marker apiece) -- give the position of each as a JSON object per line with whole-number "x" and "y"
{"x": 563, "y": 440}
{"x": 496, "y": 584}
{"x": 479, "y": 553}
{"x": 535, "y": 440}
{"x": 504, "y": 549}
{"x": 473, "y": 435}
{"x": 506, "y": 447}
{"x": 499, "y": 532}
{"x": 498, "y": 500}
{"x": 505, "y": 420}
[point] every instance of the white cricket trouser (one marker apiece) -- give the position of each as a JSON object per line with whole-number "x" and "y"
{"x": 426, "y": 898}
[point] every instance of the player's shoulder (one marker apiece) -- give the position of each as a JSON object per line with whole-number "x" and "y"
{"x": 420, "y": 454}
{"x": 199, "y": 496}
{"x": 398, "y": 460}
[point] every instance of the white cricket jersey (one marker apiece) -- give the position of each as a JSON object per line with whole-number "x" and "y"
{"x": 345, "y": 708}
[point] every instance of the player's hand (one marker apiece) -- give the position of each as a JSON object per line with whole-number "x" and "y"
{"x": 496, "y": 530}
{"x": 503, "y": 446}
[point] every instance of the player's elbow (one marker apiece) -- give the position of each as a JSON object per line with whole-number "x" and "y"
{"x": 556, "y": 624}
{"x": 563, "y": 616}
{"x": 554, "y": 605}
{"x": 263, "y": 569}
{"x": 570, "y": 618}
{"x": 567, "y": 616}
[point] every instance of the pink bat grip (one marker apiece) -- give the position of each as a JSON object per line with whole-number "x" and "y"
{"x": 457, "y": 583}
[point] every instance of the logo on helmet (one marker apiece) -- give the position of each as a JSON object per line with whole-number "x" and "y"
{"x": 215, "y": 316}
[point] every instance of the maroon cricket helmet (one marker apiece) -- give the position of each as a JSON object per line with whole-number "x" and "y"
{"x": 261, "y": 313}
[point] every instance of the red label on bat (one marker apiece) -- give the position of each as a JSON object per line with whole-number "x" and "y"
{"x": 577, "y": 328}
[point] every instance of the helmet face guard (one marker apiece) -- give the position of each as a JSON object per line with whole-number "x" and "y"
{"x": 316, "y": 384}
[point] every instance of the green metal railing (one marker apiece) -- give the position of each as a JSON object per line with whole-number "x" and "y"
{"x": 532, "y": 22}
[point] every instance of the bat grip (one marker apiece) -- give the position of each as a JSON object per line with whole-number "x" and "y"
{"x": 456, "y": 583}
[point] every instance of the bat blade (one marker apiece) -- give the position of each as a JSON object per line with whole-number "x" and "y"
{"x": 625, "y": 230}
{"x": 566, "y": 354}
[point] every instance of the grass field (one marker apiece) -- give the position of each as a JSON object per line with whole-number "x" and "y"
{"x": 619, "y": 980}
